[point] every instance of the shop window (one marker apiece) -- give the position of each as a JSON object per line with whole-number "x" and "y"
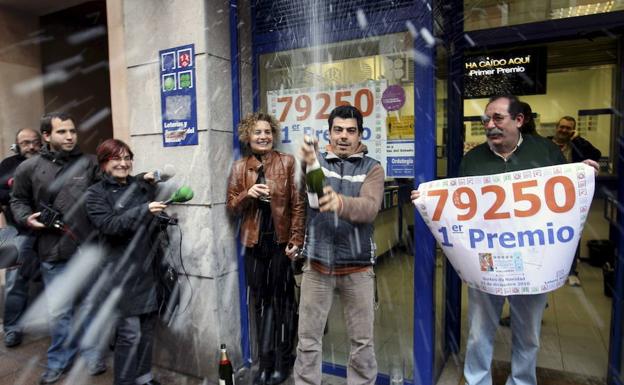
{"x": 300, "y": 87}
{"x": 480, "y": 14}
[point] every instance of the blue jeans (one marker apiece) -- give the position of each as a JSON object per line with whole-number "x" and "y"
{"x": 526, "y": 321}
{"x": 16, "y": 300}
{"x": 16, "y": 287}
{"x": 62, "y": 348}
{"x": 134, "y": 342}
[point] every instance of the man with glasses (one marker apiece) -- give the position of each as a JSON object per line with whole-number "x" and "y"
{"x": 506, "y": 149}
{"x": 27, "y": 144}
{"x": 48, "y": 198}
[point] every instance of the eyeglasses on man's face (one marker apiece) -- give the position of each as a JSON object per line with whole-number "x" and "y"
{"x": 25, "y": 143}
{"x": 497, "y": 118}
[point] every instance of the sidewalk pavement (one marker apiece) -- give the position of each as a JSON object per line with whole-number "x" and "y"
{"x": 24, "y": 364}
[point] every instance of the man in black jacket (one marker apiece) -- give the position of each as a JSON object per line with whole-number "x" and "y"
{"x": 574, "y": 149}
{"x": 27, "y": 144}
{"x": 48, "y": 197}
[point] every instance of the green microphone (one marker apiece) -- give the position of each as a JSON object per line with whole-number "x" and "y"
{"x": 183, "y": 194}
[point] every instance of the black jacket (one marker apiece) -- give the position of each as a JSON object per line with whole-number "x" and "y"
{"x": 582, "y": 149}
{"x": 128, "y": 232}
{"x": 59, "y": 180}
{"x": 7, "y": 171}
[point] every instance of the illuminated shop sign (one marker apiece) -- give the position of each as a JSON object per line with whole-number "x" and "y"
{"x": 516, "y": 72}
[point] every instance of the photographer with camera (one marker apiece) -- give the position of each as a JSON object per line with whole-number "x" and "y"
{"x": 124, "y": 210}
{"x": 48, "y": 191}
{"x": 27, "y": 144}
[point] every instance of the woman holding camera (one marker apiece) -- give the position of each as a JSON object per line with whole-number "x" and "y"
{"x": 264, "y": 193}
{"x": 124, "y": 210}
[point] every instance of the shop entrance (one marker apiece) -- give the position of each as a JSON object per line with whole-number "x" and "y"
{"x": 581, "y": 334}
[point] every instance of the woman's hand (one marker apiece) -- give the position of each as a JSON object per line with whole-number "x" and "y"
{"x": 258, "y": 190}
{"x": 292, "y": 251}
{"x": 415, "y": 195}
{"x": 156, "y": 207}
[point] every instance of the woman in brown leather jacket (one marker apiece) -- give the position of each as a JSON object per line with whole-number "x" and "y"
{"x": 264, "y": 192}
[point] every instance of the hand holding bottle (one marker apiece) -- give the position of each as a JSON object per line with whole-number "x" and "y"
{"x": 292, "y": 251}
{"x": 308, "y": 150}
{"x": 330, "y": 201}
{"x": 259, "y": 190}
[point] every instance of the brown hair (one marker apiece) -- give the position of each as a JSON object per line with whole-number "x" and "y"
{"x": 246, "y": 126}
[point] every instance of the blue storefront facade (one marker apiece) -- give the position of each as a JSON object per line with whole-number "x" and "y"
{"x": 308, "y": 56}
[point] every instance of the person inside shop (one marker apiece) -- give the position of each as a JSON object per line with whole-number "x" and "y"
{"x": 264, "y": 193}
{"x": 127, "y": 216}
{"x": 17, "y": 278}
{"x": 575, "y": 149}
{"x": 506, "y": 149}
{"x": 339, "y": 248}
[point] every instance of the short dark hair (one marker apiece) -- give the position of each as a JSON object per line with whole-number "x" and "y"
{"x": 567, "y": 117}
{"x": 110, "y": 148}
{"x": 46, "y": 120}
{"x": 346, "y": 112}
{"x": 515, "y": 105}
{"x": 528, "y": 127}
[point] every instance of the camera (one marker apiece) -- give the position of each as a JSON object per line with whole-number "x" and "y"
{"x": 50, "y": 217}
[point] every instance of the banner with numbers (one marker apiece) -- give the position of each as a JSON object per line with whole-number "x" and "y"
{"x": 304, "y": 111}
{"x": 511, "y": 233}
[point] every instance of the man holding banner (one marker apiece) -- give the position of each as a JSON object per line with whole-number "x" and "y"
{"x": 509, "y": 225}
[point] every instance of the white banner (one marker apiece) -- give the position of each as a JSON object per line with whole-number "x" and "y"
{"x": 511, "y": 233}
{"x": 304, "y": 111}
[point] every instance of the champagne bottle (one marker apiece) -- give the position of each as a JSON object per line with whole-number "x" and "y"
{"x": 315, "y": 179}
{"x": 226, "y": 373}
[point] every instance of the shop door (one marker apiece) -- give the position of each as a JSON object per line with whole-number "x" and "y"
{"x": 582, "y": 326}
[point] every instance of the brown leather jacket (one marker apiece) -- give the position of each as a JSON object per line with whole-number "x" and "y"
{"x": 287, "y": 202}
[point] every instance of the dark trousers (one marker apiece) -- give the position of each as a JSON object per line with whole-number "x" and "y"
{"x": 134, "y": 343}
{"x": 271, "y": 283}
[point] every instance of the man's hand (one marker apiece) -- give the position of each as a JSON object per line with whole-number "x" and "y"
{"x": 292, "y": 251}
{"x": 156, "y": 207}
{"x": 414, "y": 195}
{"x": 593, "y": 164}
{"x": 33, "y": 223}
{"x": 331, "y": 201}
{"x": 258, "y": 190}
{"x": 149, "y": 177}
{"x": 307, "y": 151}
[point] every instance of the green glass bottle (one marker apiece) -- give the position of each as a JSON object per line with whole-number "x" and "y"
{"x": 315, "y": 179}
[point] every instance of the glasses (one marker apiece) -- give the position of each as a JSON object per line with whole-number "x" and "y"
{"x": 25, "y": 143}
{"x": 498, "y": 118}
{"x": 126, "y": 158}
